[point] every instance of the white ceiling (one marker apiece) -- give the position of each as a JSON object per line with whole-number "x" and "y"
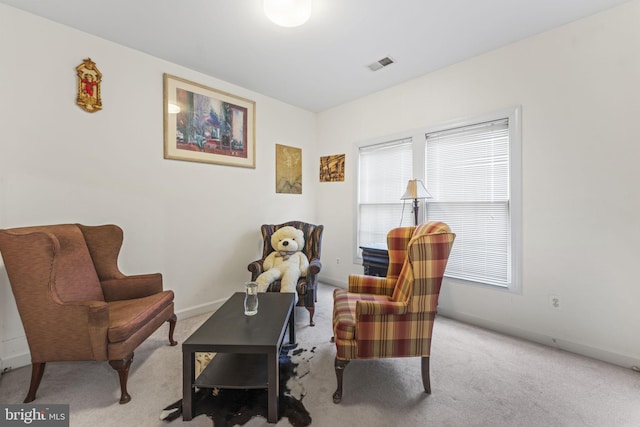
{"x": 323, "y": 63}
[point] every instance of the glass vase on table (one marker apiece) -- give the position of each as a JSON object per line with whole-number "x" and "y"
{"x": 250, "y": 298}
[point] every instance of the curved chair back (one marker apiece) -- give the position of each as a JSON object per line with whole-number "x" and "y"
{"x": 312, "y": 237}
{"x": 393, "y": 316}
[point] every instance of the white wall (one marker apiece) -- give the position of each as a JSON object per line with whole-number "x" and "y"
{"x": 580, "y": 97}
{"x": 579, "y": 89}
{"x": 196, "y": 223}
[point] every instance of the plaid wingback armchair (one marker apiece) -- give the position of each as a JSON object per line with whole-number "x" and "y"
{"x": 74, "y": 302}
{"x": 393, "y": 316}
{"x": 307, "y": 285}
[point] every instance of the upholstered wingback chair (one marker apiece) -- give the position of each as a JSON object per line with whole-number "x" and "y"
{"x": 74, "y": 302}
{"x": 393, "y": 316}
{"x": 307, "y": 285}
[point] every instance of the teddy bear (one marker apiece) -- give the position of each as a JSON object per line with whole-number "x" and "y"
{"x": 286, "y": 262}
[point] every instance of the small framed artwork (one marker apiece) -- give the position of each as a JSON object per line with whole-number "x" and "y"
{"x": 288, "y": 169}
{"x": 202, "y": 124}
{"x": 332, "y": 168}
{"x": 89, "y": 80}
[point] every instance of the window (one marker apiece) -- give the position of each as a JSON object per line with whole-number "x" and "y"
{"x": 472, "y": 170}
{"x": 383, "y": 172}
{"x": 468, "y": 176}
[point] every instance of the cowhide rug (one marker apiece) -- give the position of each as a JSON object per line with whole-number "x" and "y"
{"x": 229, "y": 407}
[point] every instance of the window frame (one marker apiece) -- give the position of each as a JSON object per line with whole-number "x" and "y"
{"x": 357, "y": 253}
{"x": 418, "y": 137}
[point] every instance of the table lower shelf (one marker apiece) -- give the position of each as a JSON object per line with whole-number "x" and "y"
{"x": 235, "y": 370}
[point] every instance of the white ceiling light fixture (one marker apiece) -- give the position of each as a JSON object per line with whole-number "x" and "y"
{"x": 288, "y": 13}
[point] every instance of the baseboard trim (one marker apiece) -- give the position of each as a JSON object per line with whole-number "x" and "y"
{"x": 197, "y": 310}
{"x": 333, "y": 282}
{"x": 16, "y": 361}
{"x": 622, "y": 360}
{"x": 23, "y": 358}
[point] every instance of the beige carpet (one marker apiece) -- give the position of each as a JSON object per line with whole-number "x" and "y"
{"x": 478, "y": 378}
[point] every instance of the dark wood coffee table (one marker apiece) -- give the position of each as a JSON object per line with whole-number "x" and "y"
{"x": 246, "y": 347}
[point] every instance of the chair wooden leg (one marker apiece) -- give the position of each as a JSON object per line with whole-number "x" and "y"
{"x": 172, "y": 327}
{"x": 426, "y": 381}
{"x": 37, "y": 370}
{"x": 312, "y": 311}
{"x": 122, "y": 366}
{"x": 340, "y": 365}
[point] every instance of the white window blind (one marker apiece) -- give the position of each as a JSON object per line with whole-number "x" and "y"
{"x": 383, "y": 172}
{"x": 467, "y": 172}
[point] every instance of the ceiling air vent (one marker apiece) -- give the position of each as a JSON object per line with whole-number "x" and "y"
{"x": 381, "y": 63}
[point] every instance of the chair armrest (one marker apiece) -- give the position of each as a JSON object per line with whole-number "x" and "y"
{"x": 131, "y": 287}
{"x": 83, "y": 325}
{"x": 379, "y": 308}
{"x": 92, "y": 313}
{"x": 315, "y": 265}
{"x": 361, "y": 284}
{"x": 256, "y": 268}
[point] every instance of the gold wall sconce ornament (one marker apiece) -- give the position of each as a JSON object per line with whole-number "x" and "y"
{"x": 89, "y": 79}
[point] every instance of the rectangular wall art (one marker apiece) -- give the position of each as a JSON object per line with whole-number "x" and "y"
{"x": 332, "y": 168}
{"x": 288, "y": 169}
{"x": 202, "y": 124}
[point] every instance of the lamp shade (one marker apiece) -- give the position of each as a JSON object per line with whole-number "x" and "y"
{"x": 415, "y": 190}
{"x": 288, "y": 13}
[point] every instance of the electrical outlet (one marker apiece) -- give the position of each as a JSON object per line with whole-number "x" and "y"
{"x": 337, "y": 260}
{"x": 555, "y": 301}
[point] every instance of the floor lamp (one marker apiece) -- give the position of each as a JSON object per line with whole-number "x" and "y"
{"x": 415, "y": 191}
